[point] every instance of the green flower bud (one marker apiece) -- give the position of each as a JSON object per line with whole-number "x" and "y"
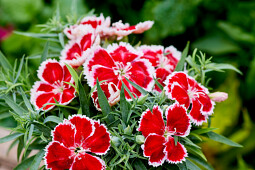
{"x": 128, "y": 130}
{"x": 115, "y": 140}
{"x": 142, "y": 99}
{"x": 139, "y": 139}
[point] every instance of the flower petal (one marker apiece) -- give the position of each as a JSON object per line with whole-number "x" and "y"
{"x": 50, "y": 71}
{"x": 99, "y": 142}
{"x": 84, "y": 128}
{"x": 175, "y": 153}
{"x": 207, "y": 103}
{"x": 42, "y": 98}
{"x": 161, "y": 75}
{"x": 40, "y": 86}
{"x": 143, "y": 26}
{"x": 88, "y": 162}
{"x": 152, "y": 53}
{"x": 64, "y": 134}
{"x": 177, "y": 77}
{"x": 153, "y": 148}
{"x": 178, "y": 120}
{"x": 173, "y": 55}
{"x": 195, "y": 114}
{"x": 58, "y": 157}
{"x": 67, "y": 95}
{"x": 180, "y": 95}
{"x": 152, "y": 122}
{"x": 67, "y": 75}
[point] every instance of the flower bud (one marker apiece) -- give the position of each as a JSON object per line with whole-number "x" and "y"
{"x": 128, "y": 130}
{"x": 142, "y": 99}
{"x": 115, "y": 140}
{"x": 218, "y": 96}
{"x": 139, "y": 139}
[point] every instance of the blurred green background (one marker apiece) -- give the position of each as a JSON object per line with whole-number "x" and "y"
{"x": 223, "y": 29}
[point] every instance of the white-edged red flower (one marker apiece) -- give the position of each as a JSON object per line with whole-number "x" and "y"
{"x": 52, "y": 86}
{"x": 164, "y": 60}
{"x": 73, "y": 142}
{"x": 111, "y": 92}
{"x": 77, "y": 50}
{"x": 185, "y": 90}
{"x": 117, "y": 62}
{"x": 159, "y": 144}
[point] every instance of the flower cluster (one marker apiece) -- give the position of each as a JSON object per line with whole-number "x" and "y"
{"x": 116, "y": 65}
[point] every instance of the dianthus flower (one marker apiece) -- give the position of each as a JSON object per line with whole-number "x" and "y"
{"x": 73, "y": 142}
{"x": 52, "y": 86}
{"x": 164, "y": 60}
{"x": 185, "y": 90}
{"x": 159, "y": 142}
{"x": 116, "y": 63}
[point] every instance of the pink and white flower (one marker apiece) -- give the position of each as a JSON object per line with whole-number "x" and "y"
{"x": 164, "y": 60}
{"x": 73, "y": 142}
{"x": 52, "y": 86}
{"x": 77, "y": 50}
{"x": 159, "y": 144}
{"x": 111, "y": 92}
{"x": 185, "y": 90}
{"x": 117, "y": 62}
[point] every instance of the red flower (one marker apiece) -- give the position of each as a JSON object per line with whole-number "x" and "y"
{"x": 73, "y": 141}
{"x": 77, "y": 50}
{"x": 111, "y": 92}
{"x": 164, "y": 61}
{"x": 53, "y": 76}
{"x": 117, "y": 62}
{"x": 159, "y": 144}
{"x": 185, "y": 90}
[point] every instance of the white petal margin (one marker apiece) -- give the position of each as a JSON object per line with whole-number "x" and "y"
{"x": 43, "y": 66}
{"x": 78, "y": 31}
{"x": 100, "y": 160}
{"x": 182, "y": 160}
{"x": 112, "y": 47}
{"x": 143, "y": 26}
{"x": 175, "y": 53}
{"x": 153, "y": 48}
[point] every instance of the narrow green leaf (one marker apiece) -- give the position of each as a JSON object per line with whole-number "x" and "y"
{"x": 219, "y": 138}
{"x": 129, "y": 92}
{"x": 25, "y": 164}
{"x": 5, "y": 63}
{"x": 176, "y": 138}
{"x": 37, "y": 160}
{"x": 196, "y": 151}
{"x": 20, "y": 68}
{"x": 187, "y": 141}
{"x": 54, "y": 119}
{"x": 25, "y": 99}
{"x": 182, "y": 166}
{"x": 44, "y": 129}
{"x": 37, "y": 35}
{"x": 17, "y": 109}
{"x": 124, "y": 109}
{"x": 203, "y": 130}
{"x": 139, "y": 88}
{"x": 73, "y": 73}
{"x": 191, "y": 165}
{"x": 103, "y": 102}
{"x": 158, "y": 84}
{"x": 10, "y": 137}
{"x": 61, "y": 39}
{"x": 200, "y": 162}
{"x": 221, "y": 66}
{"x": 180, "y": 64}
{"x": 45, "y": 52}
{"x": 84, "y": 102}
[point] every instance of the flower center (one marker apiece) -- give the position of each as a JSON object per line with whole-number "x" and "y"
{"x": 169, "y": 133}
{"x": 164, "y": 63}
{"x": 79, "y": 150}
{"x": 120, "y": 69}
{"x": 76, "y": 55}
{"x": 58, "y": 87}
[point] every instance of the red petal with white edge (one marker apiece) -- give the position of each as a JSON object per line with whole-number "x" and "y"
{"x": 195, "y": 113}
{"x": 143, "y": 26}
{"x": 207, "y": 103}
{"x": 43, "y": 87}
{"x": 50, "y": 71}
{"x": 153, "y": 148}
{"x": 178, "y": 77}
{"x": 58, "y": 157}
{"x": 173, "y": 55}
{"x": 141, "y": 72}
{"x": 96, "y": 21}
{"x": 179, "y": 94}
{"x": 161, "y": 75}
{"x": 84, "y": 128}
{"x": 123, "y": 53}
{"x": 99, "y": 142}
{"x": 102, "y": 73}
{"x": 152, "y": 53}
{"x": 64, "y": 133}
{"x": 177, "y": 120}
{"x": 100, "y": 57}
{"x": 152, "y": 122}
{"x": 86, "y": 161}
{"x": 43, "y": 98}
{"x": 175, "y": 153}
{"x": 67, "y": 75}
{"x": 67, "y": 95}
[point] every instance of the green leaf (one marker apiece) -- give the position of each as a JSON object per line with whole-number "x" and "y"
{"x": 191, "y": 165}
{"x": 5, "y": 63}
{"x": 103, "y": 102}
{"x": 219, "y": 67}
{"x": 158, "y": 84}
{"x": 73, "y": 73}
{"x": 84, "y": 102}
{"x": 61, "y": 39}
{"x": 187, "y": 141}
{"x": 182, "y": 166}
{"x": 195, "y": 151}
{"x": 180, "y": 64}
{"x": 25, "y": 164}
{"x": 37, "y": 160}
{"x": 42, "y": 128}
{"x": 138, "y": 164}
{"x": 139, "y": 88}
{"x": 37, "y": 35}
{"x": 124, "y": 109}
{"x": 25, "y": 99}
{"x": 19, "y": 70}
{"x": 219, "y": 138}
{"x": 10, "y": 137}
{"x": 54, "y": 119}
{"x": 17, "y": 109}
{"x": 128, "y": 91}
{"x": 45, "y": 52}
{"x": 203, "y": 130}
{"x": 200, "y": 162}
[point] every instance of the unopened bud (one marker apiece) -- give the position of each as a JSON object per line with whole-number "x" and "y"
{"x": 115, "y": 140}
{"x": 142, "y": 99}
{"x": 139, "y": 139}
{"x": 128, "y": 130}
{"x": 218, "y": 96}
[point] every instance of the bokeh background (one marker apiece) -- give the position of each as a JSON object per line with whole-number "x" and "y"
{"x": 222, "y": 29}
